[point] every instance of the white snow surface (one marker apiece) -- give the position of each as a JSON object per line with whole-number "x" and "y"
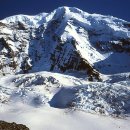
{"x": 47, "y": 100}
{"x": 47, "y": 118}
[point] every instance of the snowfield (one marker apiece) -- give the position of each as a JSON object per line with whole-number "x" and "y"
{"x": 46, "y": 118}
{"x": 39, "y": 99}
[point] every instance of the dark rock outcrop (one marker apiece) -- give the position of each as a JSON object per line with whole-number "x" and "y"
{"x": 12, "y": 126}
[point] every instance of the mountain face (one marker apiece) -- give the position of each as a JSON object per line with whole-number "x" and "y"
{"x": 65, "y": 39}
{"x": 82, "y": 46}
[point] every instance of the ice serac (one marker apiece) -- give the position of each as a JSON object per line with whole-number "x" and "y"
{"x": 65, "y": 39}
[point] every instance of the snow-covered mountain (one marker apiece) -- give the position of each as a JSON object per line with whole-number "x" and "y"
{"x": 65, "y": 59}
{"x": 65, "y": 39}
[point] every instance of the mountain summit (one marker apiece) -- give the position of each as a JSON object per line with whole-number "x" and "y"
{"x": 63, "y": 40}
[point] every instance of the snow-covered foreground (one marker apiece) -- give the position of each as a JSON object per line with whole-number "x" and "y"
{"x": 46, "y": 101}
{"x": 48, "y": 118}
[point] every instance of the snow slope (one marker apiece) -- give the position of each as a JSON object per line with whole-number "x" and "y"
{"x": 57, "y": 119}
{"x": 39, "y": 99}
{"x": 64, "y": 91}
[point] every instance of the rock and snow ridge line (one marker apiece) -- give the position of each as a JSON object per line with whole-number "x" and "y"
{"x": 65, "y": 39}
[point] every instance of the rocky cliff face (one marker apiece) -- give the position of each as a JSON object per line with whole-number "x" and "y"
{"x": 65, "y": 39}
